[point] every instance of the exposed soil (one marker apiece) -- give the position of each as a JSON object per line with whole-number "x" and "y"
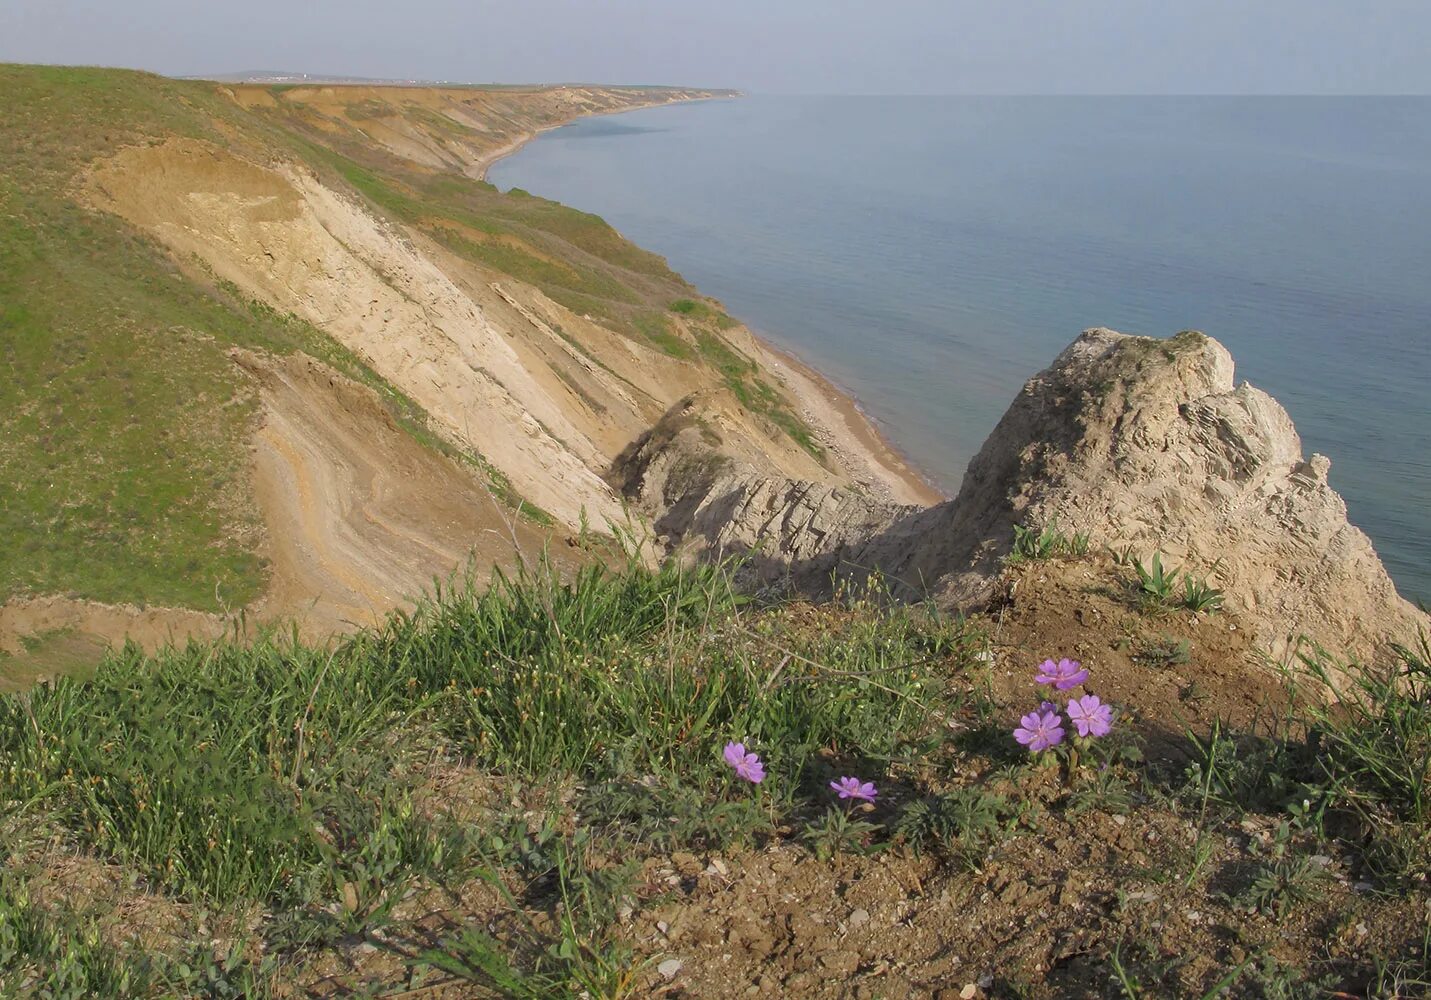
{"x": 1171, "y": 669}
{"x": 1026, "y": 922}
{"x": 43, "y": 637}
{"x": 361, "y": 517}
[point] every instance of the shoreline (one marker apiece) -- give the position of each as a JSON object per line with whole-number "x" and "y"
{"x": 903, "y": 479}
{"x": 486, "y": 162}
{"x": 835, "y": 408}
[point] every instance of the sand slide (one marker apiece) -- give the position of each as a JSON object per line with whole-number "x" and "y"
{"x": 360, "y": 516}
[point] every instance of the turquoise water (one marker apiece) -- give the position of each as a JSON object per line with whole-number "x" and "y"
{"x": 930, "y": 254}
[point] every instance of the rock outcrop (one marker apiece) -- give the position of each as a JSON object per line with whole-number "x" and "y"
{"x": 710, "y": 492}
{"x": 1139, "y": 442}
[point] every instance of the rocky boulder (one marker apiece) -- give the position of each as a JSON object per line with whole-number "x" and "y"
{"x": 1149, "y": 444}
{"x": 1142, "y": 443}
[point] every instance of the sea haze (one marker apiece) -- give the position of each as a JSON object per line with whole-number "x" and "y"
{"x": 930, "y": 254}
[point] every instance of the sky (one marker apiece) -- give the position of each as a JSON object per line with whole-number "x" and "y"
{"x": 762, "y": 46}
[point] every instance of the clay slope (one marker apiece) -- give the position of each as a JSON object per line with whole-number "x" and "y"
{"x": 297, "y": 244}
{"x": 1142, "y": 443}
{"x": 360, "y": 517}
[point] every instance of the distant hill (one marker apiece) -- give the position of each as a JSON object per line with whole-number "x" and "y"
{"x": 288, "y": 77}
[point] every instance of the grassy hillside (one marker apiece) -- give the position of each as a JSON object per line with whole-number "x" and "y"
{"x": 524, "y": 793}
{"x": 123, "y": 466}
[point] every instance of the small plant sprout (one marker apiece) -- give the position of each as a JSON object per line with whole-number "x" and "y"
{"x": 1156, "y": 585}
{"x": 1031, "y": 545}
{"x": 1200, "y": 596}
{"x": 854, "y": 789}
{"x": 1063, "y": 675}
{"x": 747, "y": 765}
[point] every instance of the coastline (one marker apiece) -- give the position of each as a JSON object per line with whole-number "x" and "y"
{"x": 486, "y": 162}
{"x": 864, "y": 441}
{"x": 857, "y": 438}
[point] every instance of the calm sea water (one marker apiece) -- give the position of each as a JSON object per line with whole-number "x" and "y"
{"x": 930, "y": 254}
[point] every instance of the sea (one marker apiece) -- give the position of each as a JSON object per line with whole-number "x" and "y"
{"x": 929, "y": 254}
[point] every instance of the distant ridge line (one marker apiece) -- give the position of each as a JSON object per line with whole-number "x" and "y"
{"x": 318, "y": 79}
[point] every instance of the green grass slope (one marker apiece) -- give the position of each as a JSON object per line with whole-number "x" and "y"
{"x": 522, "y": 793}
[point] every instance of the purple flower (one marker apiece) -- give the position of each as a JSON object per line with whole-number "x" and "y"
{"x": 1040, "y": 730}
{"x": 747, "y": 765}
{"x": 1063, "y": 675}
{"x": 854, "y": 788}
{"x": 1090, "y": 716}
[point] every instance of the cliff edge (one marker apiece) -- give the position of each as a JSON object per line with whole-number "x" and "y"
{"x": 1143, "y": 444}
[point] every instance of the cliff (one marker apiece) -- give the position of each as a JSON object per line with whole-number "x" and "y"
{"x": 207, "y": 279}
{"x": 279, "y": 348}
{"x": 1143, "y": 445}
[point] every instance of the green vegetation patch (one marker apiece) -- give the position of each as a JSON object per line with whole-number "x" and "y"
{"x": 696, "y": 310}
{"x": 755, "y": 394}
{"x": 508, "y": 787}
{"x": 228, "y": 772}
{"x": 123, "y": 473}
{"x": 656, "y": 329}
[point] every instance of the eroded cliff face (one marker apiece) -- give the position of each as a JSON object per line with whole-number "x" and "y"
{"x": 470, "y": 306}
{"x": 458, "y": 129}
{"x": 525, "y": 336}
{"x": 1142, "y": 443}
{"x": 423, "y": 342}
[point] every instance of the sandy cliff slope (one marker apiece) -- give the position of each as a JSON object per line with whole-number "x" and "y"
{"x": 360, "y": 516}
{"x": 524, "y": 337}
{"x": 289, "y": 240}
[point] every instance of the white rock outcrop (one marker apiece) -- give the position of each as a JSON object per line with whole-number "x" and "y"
{"x": 1137, "y": 441}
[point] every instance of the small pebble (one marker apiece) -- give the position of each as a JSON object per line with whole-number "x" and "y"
{"x": 669, "y": 968}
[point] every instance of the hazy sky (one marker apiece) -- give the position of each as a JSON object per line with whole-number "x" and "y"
{"x": 799, "y": 46}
